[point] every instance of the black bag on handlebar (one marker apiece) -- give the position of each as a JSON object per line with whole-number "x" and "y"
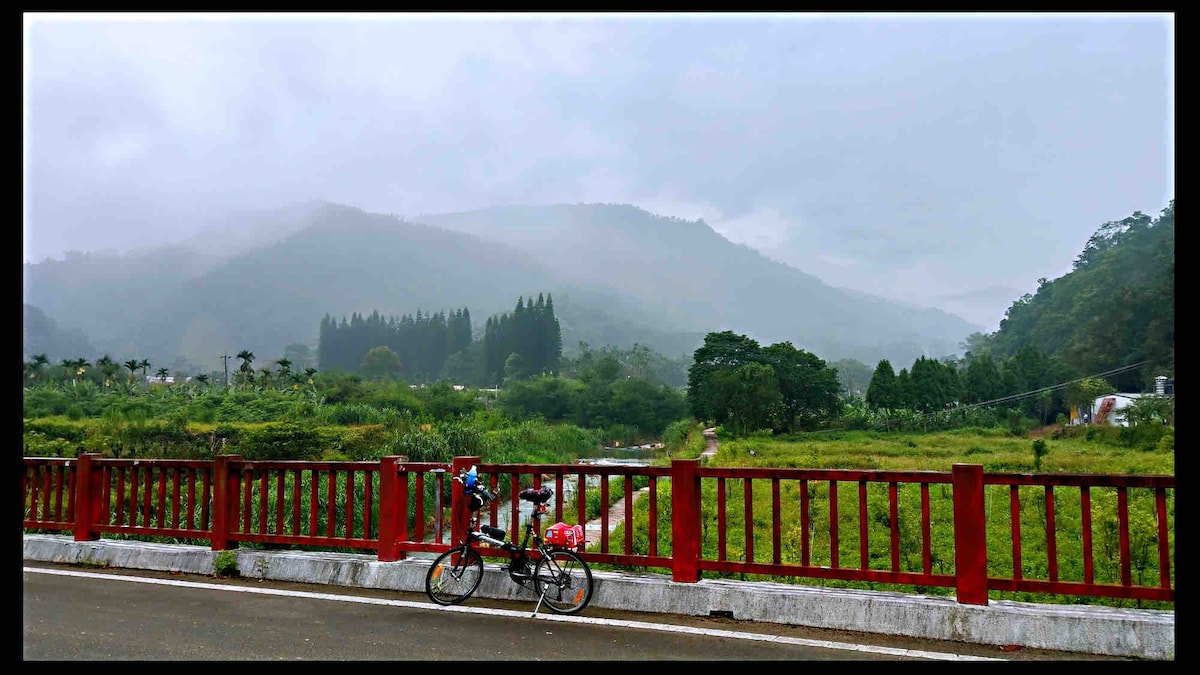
{"x": 539, "y": 496}
{"x": 479, "y": 498}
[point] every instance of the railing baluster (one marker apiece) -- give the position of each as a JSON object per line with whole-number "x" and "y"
{"x": 1051, "y": 536}
{"x": 833, "y": 524}
{"x": 1085, "y": 520}
{"x": 653, "y": 511}
{"x": 864, "y": 558}
{"x": 1164, "y": 544}
{"x": 894, "y": 522}
{"x": 349, "y": 503}
{"x": 1123, "y": 527}
{"x": 926, "y": 535}
{"x": 1014, "y": 514}
{"x": 805, "y": 526}
{"x": 331, "y": 503}
{"x": 368, "y": 504}
{"x": 722, "y": 522}
{"x": 748, "y": 517}
{"x": 776, "y": 523}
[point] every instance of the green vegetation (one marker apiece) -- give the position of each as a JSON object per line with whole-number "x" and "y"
{"x": 225, "y": 564}
{"x": 1092, "y": 450}
{"x": 1107, "y": 326}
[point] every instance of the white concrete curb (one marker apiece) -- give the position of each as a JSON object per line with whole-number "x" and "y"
{"x": 1146, "y": 634}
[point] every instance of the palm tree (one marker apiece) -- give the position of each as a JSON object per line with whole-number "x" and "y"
{"x": 144, "y": 364}
{"x": 132, "y": 365}
{"x": 108, "y": 367}
{"x": 162, "y": 374}
{"x": 246, "y": 371}
{"x": 38, "y": 365}
{"x": 75, "y": 368}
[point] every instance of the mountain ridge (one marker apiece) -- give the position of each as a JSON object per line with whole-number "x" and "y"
{"x": 653, "y": 280}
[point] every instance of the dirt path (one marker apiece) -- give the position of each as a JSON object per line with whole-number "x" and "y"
{"x": 710, "y": 445}
{"x": 616, "y": 515}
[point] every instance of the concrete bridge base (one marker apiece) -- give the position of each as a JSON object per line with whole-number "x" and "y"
{"x": 1146, "y": 634}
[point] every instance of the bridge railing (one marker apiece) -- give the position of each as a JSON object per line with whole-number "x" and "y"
{"x": 1107, "y": 536}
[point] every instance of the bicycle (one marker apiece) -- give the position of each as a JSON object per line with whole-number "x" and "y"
{"x": 558, "y": 574}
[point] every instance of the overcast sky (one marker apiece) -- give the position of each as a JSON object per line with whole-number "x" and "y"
{"x": 945, "y": 160}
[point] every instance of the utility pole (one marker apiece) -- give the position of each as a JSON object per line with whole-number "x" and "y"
{"x": 225, "y": 358}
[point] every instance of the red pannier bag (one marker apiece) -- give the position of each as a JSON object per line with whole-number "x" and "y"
{"x": 562, "y": 534}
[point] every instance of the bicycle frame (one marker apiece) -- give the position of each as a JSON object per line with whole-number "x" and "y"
{"x": 559, "y": 575}
{"x": 517, "y": 553}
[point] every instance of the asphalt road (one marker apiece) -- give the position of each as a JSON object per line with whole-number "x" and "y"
{"x": 74, "y": 613}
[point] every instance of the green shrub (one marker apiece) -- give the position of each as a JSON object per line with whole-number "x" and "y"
{"x": 225, "y": 564}
{"x": 1039, "y": 451}
{"x": 1167, "y": 442}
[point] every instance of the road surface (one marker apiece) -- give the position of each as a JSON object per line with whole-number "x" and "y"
{"x": 74, "y": 613}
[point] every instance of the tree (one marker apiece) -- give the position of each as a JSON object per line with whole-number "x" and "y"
{"x": 981, "y": 380}
{"x": 750, "y": 396}
{"x": 162, "y": 374}
{"x": 808, "y": 388}
{"x": 107, "y": 367}
{"x": 74, "y": 368}
{"x": 133, "y": 365}
{"x": 882, "y": 390}
{"x": 723, "y": 351}
{"x": 246, "y": 369}
{"x": 1080, "y": 395}
{"x": 381, "y": 363}
{"x": 38, "y": 366}
{"x": 934, "y": 385}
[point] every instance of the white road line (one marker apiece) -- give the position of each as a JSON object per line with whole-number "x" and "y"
{"x": 643, "y": 625}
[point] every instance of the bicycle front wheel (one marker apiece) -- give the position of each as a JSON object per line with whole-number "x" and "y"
{"x": 454, "y": 576}
{"x": 564, "y": 581}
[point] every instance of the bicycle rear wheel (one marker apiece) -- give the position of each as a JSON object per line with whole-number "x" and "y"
{"x": 454, "y": 576}
{"x": 564, "y": 581}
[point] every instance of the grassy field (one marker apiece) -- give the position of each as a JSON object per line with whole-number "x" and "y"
{"x": 1072, "y": 450}
{"x": 1050, "y": 450}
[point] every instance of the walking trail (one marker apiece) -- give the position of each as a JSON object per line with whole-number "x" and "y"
{"x": 616, "y": 515}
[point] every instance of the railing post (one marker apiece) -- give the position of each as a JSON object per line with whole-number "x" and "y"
{"x": 685, "y": 520}
{"x": 460, "y": 515}
{"x": 88, "y": 492}
{"x": 390, "y": 511}
{"x": 225, "y": 502}
{"x": 970, "y": 535}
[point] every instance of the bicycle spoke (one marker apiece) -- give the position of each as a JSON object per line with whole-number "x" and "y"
{"x": 564, "y": 581}
{"x": 454, "y": 576}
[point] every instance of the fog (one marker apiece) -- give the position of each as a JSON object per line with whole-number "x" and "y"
{"x": 948, "y": 160}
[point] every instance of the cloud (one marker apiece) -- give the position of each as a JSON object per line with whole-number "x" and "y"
{"x": 901, "y": 154}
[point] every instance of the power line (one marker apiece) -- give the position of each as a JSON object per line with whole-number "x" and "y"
{"x": 1063, "y": 385}
{"x": 1017, "y": 397}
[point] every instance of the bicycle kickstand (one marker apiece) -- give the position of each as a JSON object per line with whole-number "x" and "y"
{"x": 541, "y": 598}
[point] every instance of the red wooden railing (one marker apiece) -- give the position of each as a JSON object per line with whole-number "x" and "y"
{"x": 1114, "y": 531}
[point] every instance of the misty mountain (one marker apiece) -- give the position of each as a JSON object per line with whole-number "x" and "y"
{"x": 42, "y": 335}
{"x": 693, "y": 278}
{"x": 618, "y": 275}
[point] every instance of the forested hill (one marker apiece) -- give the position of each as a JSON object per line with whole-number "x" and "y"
{"x": 695, "y": 279}
{"x": 1115, "y": 308}
{"x": 619, "y": 275}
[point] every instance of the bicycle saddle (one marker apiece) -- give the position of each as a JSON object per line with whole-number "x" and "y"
{"x": 539, "y": 496}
